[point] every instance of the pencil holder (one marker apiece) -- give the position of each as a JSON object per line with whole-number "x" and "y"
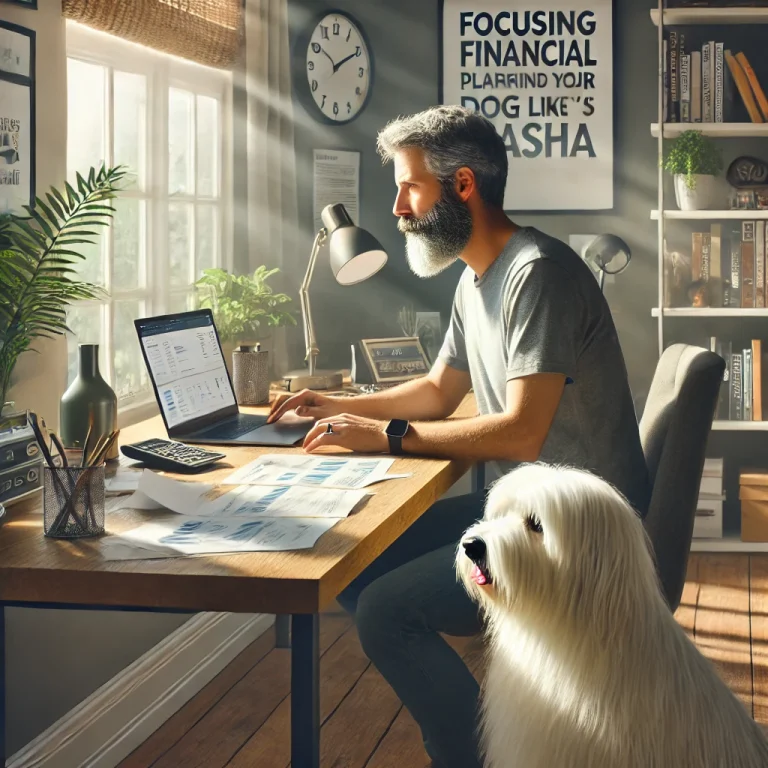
{"x": 250, "y": 375}
{"x": 73, "y": 502}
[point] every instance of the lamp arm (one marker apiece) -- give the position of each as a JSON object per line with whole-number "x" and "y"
{"x": 306, "y": 311}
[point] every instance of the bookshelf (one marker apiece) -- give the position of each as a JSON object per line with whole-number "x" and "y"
{"x": 667, "y": 215}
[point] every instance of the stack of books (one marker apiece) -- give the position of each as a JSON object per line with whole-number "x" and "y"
{"x": 708, "y": 523}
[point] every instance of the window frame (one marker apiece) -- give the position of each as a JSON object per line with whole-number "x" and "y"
{"x": 162, "y": 72}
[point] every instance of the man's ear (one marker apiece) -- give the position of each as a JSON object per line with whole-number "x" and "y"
{"x": 464, "y": 183}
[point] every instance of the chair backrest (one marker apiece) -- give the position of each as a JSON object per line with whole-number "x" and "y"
{"x": 674, "y": 428}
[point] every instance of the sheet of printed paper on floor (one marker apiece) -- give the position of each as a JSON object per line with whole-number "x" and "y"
{"x": 325, "y": 472}
{"x": 174, "y": 536}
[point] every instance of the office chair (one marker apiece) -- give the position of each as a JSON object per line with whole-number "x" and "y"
{"x": 674, "y": 428}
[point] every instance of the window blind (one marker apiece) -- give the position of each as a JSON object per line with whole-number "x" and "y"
{"x": 205, "y": 31}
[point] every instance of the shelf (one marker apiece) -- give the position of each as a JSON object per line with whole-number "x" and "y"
{"x": 710, "y": 312}
{"x": 674, "y": 16}
{"x": 729, "y": 543}
{"x": 722, "y": 130}
{"x": 740, "y": 213}
{"x": 740, "y": 426}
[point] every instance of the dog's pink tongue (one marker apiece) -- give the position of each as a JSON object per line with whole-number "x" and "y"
{"x": 478, "y": 576}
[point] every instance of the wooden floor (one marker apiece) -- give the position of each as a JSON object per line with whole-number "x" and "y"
{"x": 242, "y": 717}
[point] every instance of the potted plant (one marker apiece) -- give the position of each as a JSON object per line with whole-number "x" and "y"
{"x": 37, "y": 259}
{"x": 694, "y": 161}
{"x": 245, "y": 308}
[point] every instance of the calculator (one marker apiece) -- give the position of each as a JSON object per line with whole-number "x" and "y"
{"x": 171, "y": 456}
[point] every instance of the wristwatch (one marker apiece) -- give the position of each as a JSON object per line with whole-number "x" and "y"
{"x": 395, "y": 431}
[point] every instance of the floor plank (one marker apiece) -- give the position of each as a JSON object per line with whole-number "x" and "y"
{"x": 340, "y": 669}
{"x": 758, "y": 611}
{"x": 686, "y": 611}
{"x": 722, "y": 628}
{"x": 213, "y": 741}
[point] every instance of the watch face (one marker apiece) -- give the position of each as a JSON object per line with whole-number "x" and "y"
{"x": 338, "y": 68}
{"x": 397, "y": 428}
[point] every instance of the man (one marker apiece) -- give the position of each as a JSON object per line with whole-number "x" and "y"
{"x": 532, "y": 333}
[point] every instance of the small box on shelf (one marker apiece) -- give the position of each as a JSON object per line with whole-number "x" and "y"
{"x": 753, "y": 495}
{"x": 708, "y": 523}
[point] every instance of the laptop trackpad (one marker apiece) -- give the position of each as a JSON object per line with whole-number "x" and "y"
{"x": 285, "y": 432}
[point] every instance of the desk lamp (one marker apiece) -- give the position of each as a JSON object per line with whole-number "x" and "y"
{"x": 355, "y": 256}
{"x": 609, "y": 254}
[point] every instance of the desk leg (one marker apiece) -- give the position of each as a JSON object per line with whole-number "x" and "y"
{"x": 478, "y": 476}
{"x": 305, "y": 691}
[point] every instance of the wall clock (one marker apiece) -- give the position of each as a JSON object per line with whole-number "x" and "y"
{"x": 338, "y": 68}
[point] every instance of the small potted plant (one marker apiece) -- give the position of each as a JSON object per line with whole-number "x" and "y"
{"x": 694, "y": 161}
{"x": 245, "y": 308}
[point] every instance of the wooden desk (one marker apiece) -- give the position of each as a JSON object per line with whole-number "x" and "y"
{"x": 36, "y": 571}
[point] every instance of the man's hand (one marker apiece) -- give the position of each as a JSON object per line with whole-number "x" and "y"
{"x": 305, "y": 403}
{"x": 355, "y": 433}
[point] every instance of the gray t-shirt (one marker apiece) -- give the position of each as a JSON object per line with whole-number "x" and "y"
{"x": 539, "y": 309}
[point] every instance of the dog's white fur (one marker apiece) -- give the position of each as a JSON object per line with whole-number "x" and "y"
{"x": 587, "y": 667}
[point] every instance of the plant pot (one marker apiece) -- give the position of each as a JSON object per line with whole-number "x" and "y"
{"x": 703, "y": 195}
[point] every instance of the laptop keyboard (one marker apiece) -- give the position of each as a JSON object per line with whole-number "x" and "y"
{"x": 232, "y": 429}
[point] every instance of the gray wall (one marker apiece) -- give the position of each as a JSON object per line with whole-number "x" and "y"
{"x": 55, "y": 659}
{"x": 404, "y": 38}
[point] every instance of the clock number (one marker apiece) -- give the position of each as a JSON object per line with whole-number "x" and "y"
{"x": 336, "y": 28}
{"x": 314, "y": 85}
{"x": 358, "y": 92}
{"x": 310, "y": 65}
{"x": 349, "y": 107}
{"x": 349, "y": 34}
{"x": 324, "y": 32}
{"x": 358, "y": 51}
{"x": 360, "y": 72}
{"x": 335, "y": 107}
{"x": 323, "y": 103}
{"x": 316, "y": 48}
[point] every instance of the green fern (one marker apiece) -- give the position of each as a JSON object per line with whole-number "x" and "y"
{"x": 38, "y": 279}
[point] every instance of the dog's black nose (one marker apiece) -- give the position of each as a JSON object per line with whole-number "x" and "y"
{"x": 474, "y": 548}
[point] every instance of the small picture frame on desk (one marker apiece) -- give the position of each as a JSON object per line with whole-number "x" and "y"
{"x": 394, "y": 360}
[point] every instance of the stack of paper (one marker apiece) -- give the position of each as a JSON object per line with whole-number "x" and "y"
{"x": 276, "y": 503}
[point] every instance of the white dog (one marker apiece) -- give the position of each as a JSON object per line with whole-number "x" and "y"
{"x": 587, "y": 666}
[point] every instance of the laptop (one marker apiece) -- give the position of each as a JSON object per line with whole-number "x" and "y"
{"x": 193, "y": 388}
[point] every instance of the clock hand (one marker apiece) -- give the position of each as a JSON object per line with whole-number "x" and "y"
{"x": 329, "y": 59}
{"x": 344, "y": 61}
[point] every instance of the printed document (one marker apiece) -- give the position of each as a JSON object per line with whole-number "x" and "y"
{"x": 325, "y": 472}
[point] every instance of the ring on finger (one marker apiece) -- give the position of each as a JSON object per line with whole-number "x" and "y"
{"x": 329, "y": 429}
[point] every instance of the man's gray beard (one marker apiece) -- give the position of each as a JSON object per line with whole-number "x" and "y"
{"x": 435, "y": 240}
{"x": 426, "y": 257}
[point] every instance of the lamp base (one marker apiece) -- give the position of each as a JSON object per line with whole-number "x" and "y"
{"x": 295, "y": 381}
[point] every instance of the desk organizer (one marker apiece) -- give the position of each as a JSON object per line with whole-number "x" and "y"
{"x": 73, "y": 502}
{"x": 250, "y": 375}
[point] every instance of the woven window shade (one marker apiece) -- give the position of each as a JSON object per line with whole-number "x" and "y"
{"x": 206, "y": 31}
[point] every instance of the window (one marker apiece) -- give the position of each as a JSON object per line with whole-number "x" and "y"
{"x": 169, "y": 122}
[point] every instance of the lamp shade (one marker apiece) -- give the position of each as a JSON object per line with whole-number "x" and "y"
{"x": 355, "y": 253}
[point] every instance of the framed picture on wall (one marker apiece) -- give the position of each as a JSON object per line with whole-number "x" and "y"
{"x": 31, "y": 4}
{"x": 17, "y": 118}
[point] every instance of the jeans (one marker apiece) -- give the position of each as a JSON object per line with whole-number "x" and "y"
{"x": 400, "y": 603}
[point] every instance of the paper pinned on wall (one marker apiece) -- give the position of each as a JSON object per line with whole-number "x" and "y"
{"x": 336, "y": 180}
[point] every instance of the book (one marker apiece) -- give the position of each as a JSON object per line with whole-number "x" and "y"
{"x": 757, "y": 380}
{"x": 718, "y": 68}
{"x": 762, "y": 102}
{"x": 748, "y": 264}
{"x": 744, "y": 88}
{"x": 706, "y": 85}
{"x": 695, "y": 77}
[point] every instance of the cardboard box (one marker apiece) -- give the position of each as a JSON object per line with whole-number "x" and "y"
{"x": 753, "y": 494}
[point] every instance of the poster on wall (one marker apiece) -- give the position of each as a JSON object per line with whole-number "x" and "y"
{"x": 544, "y": 77}
{"x": 17, "y": 116}
{"x": 336, "y": 180}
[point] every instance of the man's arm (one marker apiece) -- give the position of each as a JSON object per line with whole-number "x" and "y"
{"x": 518, "y": 434}
{"x": 434, "y": 396}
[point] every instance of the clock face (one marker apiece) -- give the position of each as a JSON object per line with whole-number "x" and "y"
{"x": 338, "y": 68}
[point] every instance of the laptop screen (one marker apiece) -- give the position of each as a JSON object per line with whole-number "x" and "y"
{"x": 186, "y": 365}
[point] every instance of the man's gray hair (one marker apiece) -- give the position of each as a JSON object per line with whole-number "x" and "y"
{"x": 452, "y": 137}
